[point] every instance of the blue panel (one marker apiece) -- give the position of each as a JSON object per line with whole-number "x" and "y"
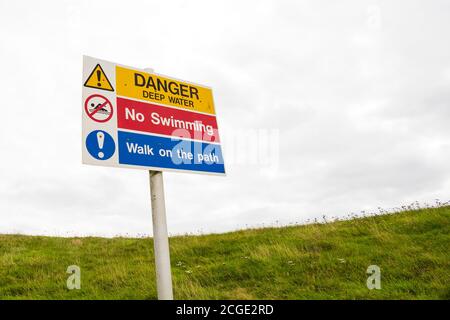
{"x": 154, "y": 151}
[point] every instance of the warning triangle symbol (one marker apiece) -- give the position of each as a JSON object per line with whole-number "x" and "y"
{"x": 98, "y": 80}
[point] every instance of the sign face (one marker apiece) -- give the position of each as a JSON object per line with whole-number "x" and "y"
{"x": 136, "y": 119}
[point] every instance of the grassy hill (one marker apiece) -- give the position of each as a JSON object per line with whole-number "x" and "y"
{"x": 318, "y": 261}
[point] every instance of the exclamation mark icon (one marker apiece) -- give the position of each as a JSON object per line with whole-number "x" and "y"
{"x": 100, "y": 140}
{"x": 99, "y": 74}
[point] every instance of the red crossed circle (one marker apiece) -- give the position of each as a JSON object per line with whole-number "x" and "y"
{"x": 103, "y": 104}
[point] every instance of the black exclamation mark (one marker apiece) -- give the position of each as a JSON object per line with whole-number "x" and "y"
{"x": 99, "y": 73}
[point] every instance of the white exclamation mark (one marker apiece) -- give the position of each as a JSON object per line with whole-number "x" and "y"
{"x": 100, "y": 140}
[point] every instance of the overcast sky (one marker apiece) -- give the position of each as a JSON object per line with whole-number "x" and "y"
{"x": 324, "y": 107}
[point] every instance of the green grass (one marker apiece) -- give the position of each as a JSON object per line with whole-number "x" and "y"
{"x": 318, "y": 261}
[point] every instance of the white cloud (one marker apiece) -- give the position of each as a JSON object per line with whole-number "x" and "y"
{"x": 358, "y": 92}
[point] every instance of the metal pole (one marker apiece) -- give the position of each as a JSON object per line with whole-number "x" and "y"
{"x": 160, "y": 235}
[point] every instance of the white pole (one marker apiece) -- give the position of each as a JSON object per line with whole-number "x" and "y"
{"x": 160, "y": 235}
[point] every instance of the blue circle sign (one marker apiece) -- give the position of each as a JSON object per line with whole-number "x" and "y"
{"x": 100, "y": 145}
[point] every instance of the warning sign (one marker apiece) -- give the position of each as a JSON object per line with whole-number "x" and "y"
{"x": 132, "y": 118}
{"x": 98, "y": 79}
{"x": 98, "y": 108}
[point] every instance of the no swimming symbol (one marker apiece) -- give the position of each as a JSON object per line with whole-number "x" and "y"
{"x": 98, "y": 108}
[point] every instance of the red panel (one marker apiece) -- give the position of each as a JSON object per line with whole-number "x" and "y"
{"x": 148, "y": 117}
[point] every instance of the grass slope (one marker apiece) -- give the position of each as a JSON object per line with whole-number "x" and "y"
{"x": 319, "y": 261}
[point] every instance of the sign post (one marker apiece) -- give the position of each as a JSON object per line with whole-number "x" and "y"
{"x": 134, "y": 118}
{"x": 160, "y": 237}
{"x": 160, "y": 234}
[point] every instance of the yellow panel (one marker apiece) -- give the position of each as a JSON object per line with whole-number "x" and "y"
{"x": 155, "y": 88}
